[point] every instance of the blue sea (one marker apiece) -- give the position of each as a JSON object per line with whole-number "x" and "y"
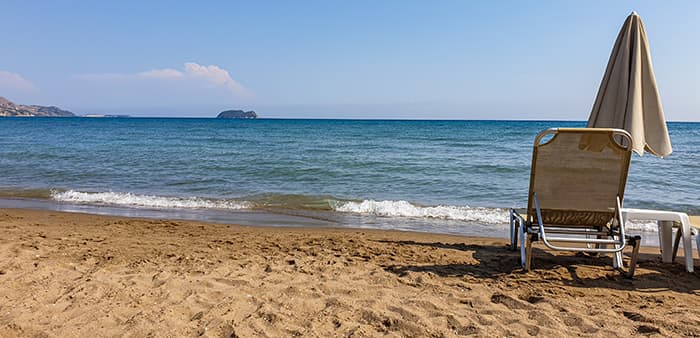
{"x": 436, "y": 176}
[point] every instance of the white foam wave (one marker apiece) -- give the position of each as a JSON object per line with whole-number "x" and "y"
{"x": 147, "y": 201}
{"x": 367, "y": 207}
{"x": 406, "y": 209}
{"x": 642, "y": 226}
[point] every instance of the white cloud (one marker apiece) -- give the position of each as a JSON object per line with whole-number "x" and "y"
{"x": 213, "y": 75}
{"x": 167, "y": 73}
{"x": 15, "y": 81}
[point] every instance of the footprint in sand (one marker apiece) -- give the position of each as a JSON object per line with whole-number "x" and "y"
{"x": 648, "y": 330}
{"x": 509, "y": 302}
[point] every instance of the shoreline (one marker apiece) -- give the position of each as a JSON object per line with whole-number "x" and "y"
{"x": 76, "y": 274}
{"x": 278, "y": 217}
{"x": 240, "y": 217}
{"x": 302, "y": 218}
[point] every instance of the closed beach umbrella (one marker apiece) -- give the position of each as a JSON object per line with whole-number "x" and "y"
{"x": 628, "y": 97}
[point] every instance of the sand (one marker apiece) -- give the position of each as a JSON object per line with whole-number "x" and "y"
{"x": 69, "y": 274}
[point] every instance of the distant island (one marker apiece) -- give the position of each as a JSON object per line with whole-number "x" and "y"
{"x": 8, "y": 108}
{"x": 237, "y": 114}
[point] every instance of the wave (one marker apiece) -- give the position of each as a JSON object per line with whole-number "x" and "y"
{"x": 272, "y": 202}
{"x": 481, "y": 215}
{"x": 406, "y": 209}
{"x": 642, "y": 226}
{"x": 147, "y": 201}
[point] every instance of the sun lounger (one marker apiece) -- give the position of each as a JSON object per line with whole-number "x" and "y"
{"x": 577, "y": 184}
{"x": 668, "y": 220}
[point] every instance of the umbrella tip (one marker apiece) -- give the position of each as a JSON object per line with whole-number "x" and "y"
{"x": 634, "y": 13}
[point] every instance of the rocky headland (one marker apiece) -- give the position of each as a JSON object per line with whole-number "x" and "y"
{"x": 9, "y": 108}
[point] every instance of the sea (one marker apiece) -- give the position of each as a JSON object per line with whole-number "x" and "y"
{"x": 455, "y": 177}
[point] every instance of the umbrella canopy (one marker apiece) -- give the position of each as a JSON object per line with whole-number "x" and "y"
{"x": 628, "y": 97}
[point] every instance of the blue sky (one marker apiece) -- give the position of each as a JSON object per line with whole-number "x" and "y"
{"x": 338, "y": 59}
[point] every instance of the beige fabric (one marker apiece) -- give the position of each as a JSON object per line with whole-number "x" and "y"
{"x": 575, "y": 218}
{"x": 628, "y": 97}
{"x": 577, "y": 184}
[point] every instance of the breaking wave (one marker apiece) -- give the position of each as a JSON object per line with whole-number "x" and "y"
{"x": 406, "y": 209}
{"x": 145, "y": 201}
{"x": 387, "y": 208}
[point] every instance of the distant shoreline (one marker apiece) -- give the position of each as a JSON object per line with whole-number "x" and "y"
{"x": 312, "y": 119}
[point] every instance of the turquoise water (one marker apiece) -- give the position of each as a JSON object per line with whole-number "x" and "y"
{"x": 442, "y": 176}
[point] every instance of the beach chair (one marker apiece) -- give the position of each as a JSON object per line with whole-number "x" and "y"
{"x": 577, "y": 183}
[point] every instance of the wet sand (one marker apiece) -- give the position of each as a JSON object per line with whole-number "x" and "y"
{"x": 71, "y": 274}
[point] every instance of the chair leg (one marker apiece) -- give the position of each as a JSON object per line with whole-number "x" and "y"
{"x": 617, "y": 257}
{"x": 676, "y": 242}
{"x": 528, "y": 252}
{"x": 513, "y": 232}
{"x": 523, "y": 253}
{"x": 697, "y": 244}
{"x": 666, "y": 240}
{"x": 687, "y": 245}
{"x": 635, "y": 254}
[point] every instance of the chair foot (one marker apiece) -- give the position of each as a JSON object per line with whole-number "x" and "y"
{"x": 513, "y": 231}
{"x": 676, "y": 242}
{"x": 528, "y": 252}
{"x": 635, "y": 241}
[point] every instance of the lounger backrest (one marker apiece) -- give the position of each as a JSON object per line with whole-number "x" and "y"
{"x": 578, "y": 173}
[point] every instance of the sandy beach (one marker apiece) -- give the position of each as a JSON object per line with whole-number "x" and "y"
{"x": 70, "y": 274}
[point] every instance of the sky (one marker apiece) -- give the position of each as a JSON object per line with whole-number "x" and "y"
{"x": 338, "y": 59}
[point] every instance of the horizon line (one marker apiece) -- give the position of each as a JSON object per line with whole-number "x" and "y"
{"x": 309, "y": 118}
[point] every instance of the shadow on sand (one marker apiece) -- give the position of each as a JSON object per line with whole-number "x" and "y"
{"x": 499, "y": 262}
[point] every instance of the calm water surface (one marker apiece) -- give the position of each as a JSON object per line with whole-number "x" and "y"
{"x": 440, "y": 176}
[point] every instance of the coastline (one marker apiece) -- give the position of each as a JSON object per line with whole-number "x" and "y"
{"x": 477, "y": 222}
{"x": 79, "y": 274}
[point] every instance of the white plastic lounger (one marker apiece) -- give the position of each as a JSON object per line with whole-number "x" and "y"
{"x": 667, "y": 244}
